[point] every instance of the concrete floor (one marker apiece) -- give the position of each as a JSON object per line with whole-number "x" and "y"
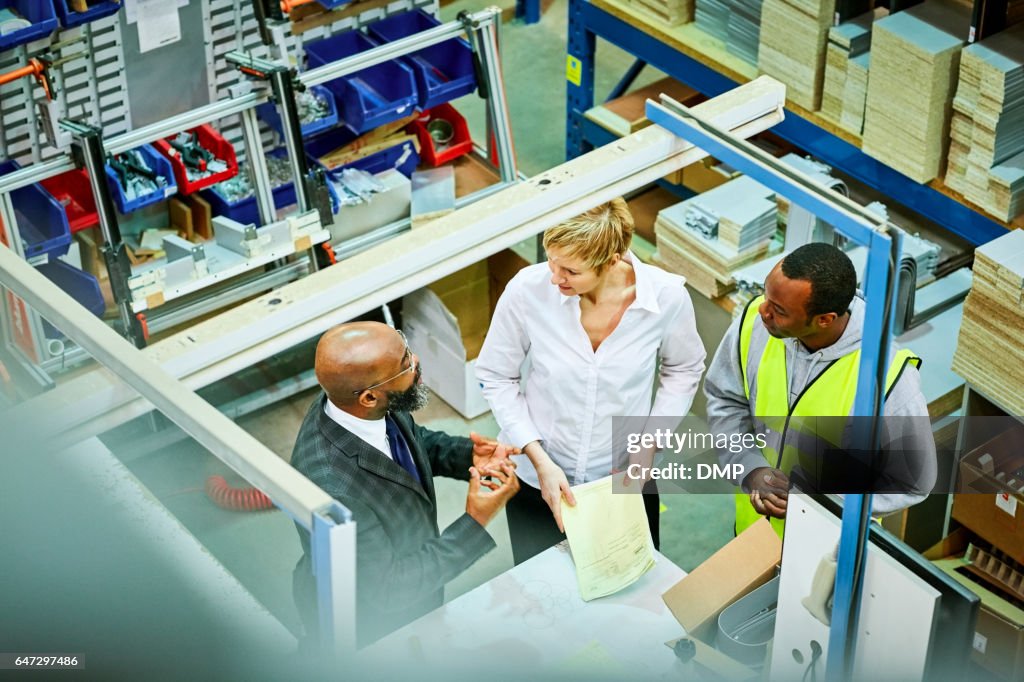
{"x": 261, "y": 548}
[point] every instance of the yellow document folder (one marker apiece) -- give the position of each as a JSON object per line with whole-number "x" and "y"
{"x": 609, "y": 538}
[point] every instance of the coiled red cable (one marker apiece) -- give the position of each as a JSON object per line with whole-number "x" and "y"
{"x": 222, "y": 494}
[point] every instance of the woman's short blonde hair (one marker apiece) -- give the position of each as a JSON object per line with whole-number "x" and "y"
{"x": 594, "y": 236}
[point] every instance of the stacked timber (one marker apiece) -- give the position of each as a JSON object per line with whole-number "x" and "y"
{"x": 989, "y": 354}
{"x": 744, "y": 29}
{"x": 666, "y": 12}
{"x": 737, "y": 23}
{"x": 707, "y": 237}
{"x": 986, "y": 152}
{"x": 915, "y": 55}
{"x": 841, "y": 97}
{"x": 792, "y": 46}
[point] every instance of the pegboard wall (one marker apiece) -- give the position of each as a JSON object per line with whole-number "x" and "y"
{"x": 91, "y": 88}
{"x": 95, "y": 89}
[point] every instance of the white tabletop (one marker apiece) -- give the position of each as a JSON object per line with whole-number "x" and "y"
{"x": 531, "y": 619}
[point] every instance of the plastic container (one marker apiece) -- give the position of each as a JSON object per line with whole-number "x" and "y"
{"x": 82, "y": 286}
{"x": 42, "y": 223}
{"x": 247, "y": 211}
{"x": 161, "y": 165}
{"x": 746, "y": 627}
{"x": 443, "y": 71}
{"x": 402, "y": 157}
{"x": 433, "y": 152}
{"x": 332, "y": 4}
{"x": 371, "y": 97}
{"x": 39, "y": 12}
{"x": 268, "y": 112}
{"x": 211, "y": 140}
{"x": 73, "y": 191}
{"x": 69, "y": 17}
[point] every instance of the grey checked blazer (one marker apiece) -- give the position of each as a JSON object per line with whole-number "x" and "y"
{"x": 402, "y": 560}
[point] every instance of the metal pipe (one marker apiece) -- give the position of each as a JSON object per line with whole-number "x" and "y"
{"x": 281, "y": 82}
{"x": 258, "y": 166}
{"x": 290, "y": 490}
{"x": 310, "y": 306}
{"x": 497, "y": 103}
{"x": 397, "y": 48}
{"x": 89, "y": 141}
{"x": 136, "y": 138}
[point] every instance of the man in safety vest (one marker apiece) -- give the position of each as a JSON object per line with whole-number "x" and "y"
{"x": 793, "y": 358}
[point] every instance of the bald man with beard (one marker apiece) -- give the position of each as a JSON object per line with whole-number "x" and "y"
{"x": 359, "y": 443}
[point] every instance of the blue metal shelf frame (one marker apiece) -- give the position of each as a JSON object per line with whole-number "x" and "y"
{"x": 586, "y": 22}
{"x": 883, "y": 249}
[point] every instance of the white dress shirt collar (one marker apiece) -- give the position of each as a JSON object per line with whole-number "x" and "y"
{"x": 646, "y": 295}
{"x": 372, "y": 432}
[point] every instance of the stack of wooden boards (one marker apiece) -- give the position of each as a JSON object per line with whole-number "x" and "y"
{"x": 737, "y": 23}
{"x": 792, "y": 46}
{"x": 915, "y": 55}
{"x": 707, "y": 237}
{"x": 628, "y": 114}
{"x": 986, "y": 151}
{"x": 989, "y": 353}
{"x": 668, "y": 12}
{"x": 846, "y": 71}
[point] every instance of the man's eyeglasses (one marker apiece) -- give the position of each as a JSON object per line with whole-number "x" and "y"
{"x": 411, "y": 368}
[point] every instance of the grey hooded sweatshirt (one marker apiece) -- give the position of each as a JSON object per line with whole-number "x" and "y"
{"x": 907, "y": 444}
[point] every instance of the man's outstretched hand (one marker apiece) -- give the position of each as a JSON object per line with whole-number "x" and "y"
{"x": 488, "y": 454}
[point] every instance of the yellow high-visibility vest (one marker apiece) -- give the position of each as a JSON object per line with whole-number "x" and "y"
{"x": 831, "y": 394}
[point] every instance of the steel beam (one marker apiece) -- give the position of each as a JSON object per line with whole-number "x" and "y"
{"x": 93, "y": 403}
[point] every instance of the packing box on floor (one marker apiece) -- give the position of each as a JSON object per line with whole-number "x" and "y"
{"x": 446, "y": 324}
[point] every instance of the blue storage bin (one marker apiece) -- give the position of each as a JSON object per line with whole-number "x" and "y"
{"x": 39, "y": 12}
{"x": 82, "y": 286}
{"x": 371, "y": 97}
{"x": 246, "y": 211}
{"x": 403, "y": 157}
{"x": 160, "y": 165}
{"x": 268, "y": 112}
{"x": 331, "y": 4}
{"x": 69, "y": 17}
{"x": 443, "y": 71}
{"x": 42, "y": 222}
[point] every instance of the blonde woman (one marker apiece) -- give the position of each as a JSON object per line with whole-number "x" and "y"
{"x": 604, "y": 335}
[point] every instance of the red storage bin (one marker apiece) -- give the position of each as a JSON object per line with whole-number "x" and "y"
{"x": 208, "y": 138}
{"x": 433, "y": 153}
{"x": 74, "y": 193}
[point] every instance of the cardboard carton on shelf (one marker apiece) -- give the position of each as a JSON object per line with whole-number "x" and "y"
{"x": 446, "y": 324}
{"x": 986, "y": 504}
{"x": 998, "y": 644}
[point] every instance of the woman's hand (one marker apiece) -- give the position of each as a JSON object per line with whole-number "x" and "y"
{"x": 553, "y": 486}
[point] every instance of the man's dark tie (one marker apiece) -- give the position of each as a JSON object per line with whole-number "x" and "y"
{"x": 400, "y": 449}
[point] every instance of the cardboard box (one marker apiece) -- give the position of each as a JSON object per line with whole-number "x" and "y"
{"x": 743, "y": 565}
{"x": 446, "y": 324}
{"x": 998, "y": 518}
{"x": 703, "y": 175}
{"x": 999, "y": 630}
{"x": 984, "y": 503}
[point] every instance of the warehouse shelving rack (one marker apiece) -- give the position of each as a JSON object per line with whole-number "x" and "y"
{"x": 23, "y": 327}
{"x": 688, "y": 55}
